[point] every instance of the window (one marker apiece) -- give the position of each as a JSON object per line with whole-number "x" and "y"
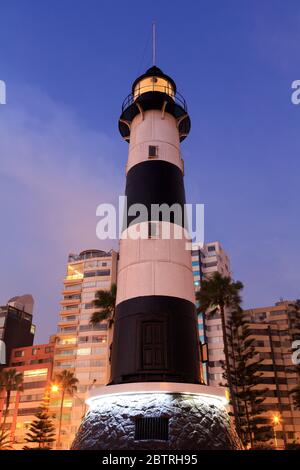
{"x": 72, "y": 297}
{"x": 84, "y": 351}
{"x": 152, "y": 428}
{"x": 210, "y": 265}
{"x": 153, "y": 151}
{"x": 30, "y": 385}
{"x": 211, "y": 248}
{"x": 89, "y": 327}
{"x": 35, "y": 372}
{"x": 104, "y": 272}
{"x": 48, "y": 350}
{"x": 73, "y": 287}
{"x": 19, "y": 353}
{"x": 68, "y": 329}
{"x": 68, "y": 341}
{"x": 27, "y": 411}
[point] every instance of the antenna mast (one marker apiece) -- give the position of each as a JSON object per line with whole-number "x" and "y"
{"x": 153, "y": 43}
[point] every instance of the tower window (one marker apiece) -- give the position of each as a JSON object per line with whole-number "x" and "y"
{"x": 153, "y": 151}
{"x": 152, "y": 429}
{"x": 153, "y": 230}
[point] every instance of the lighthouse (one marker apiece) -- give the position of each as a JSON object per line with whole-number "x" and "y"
{"x": 155, "y": 397}
{"x": 155, "y": 297}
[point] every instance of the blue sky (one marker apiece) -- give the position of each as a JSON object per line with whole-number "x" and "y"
{"x": 69, "y": 64}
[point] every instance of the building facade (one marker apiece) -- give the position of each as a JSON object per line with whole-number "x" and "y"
{"x": 81, "y": 347}
{"x": 207, "y": 259}
{"x": 35, "y": 363}
{"x": 274, "y": 328}
{"x": 16, "y": 327}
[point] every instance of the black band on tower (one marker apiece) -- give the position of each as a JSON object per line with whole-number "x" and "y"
{"x": 155, "y": 339}
{"x": 155, "y": 182}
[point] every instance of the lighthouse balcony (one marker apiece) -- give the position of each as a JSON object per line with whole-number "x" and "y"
{"x": 154, "y": 97}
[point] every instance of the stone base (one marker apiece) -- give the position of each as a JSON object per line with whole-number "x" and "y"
{"x": 197, "y": 421}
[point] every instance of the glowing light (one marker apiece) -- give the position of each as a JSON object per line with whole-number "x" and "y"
{"x": 54, "y": 388}
{"x": 276, "y": 420}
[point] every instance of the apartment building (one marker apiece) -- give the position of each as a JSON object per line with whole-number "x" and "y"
{"x": 16, "y": 327}
{"x": 274, "y": 328}
{"x": 206, "y": 260}
{"x": 35, "y": 363}
{"x": 81, "y": 347}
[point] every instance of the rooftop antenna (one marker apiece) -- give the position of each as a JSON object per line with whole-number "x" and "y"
{"x": 153, "y": 43}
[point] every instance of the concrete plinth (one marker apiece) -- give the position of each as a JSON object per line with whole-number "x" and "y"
{"x": 196, "y": 414}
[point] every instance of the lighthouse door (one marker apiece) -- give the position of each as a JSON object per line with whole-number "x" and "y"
{"x": 153, "y": 345}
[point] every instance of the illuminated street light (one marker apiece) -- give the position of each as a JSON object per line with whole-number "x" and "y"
{"x": 276, "y": 422}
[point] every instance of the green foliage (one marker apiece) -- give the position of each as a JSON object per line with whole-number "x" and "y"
{"x": 217, "y": 294}
{"x": 245, "y": 376}
{"x": 41, "y": 430}
{"x": 67, "y": 382}
{"x": 5, "y": 442}
{"x": 293, "y": 446}
{"x": 10, "y": 381}
{"x": 105, "y": 301}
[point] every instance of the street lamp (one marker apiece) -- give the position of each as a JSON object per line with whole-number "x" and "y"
{"x": 54, "y": 388}
{"x": 276, "y": 422}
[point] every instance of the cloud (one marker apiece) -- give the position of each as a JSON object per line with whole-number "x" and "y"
{"x": 54, "y": 171}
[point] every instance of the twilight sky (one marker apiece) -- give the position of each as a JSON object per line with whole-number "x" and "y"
{"x": 69, "y": 64}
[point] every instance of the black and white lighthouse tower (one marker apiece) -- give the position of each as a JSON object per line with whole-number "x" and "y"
{"x": 155, "y": 397}
{"x": 155, "y": 297}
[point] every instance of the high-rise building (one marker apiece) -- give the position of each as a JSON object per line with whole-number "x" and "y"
{"x": 35, "y": 363}
{"x": 274, "y": 328}
{"x": 207, "y": 259}
{"x": 16, "y": 327}
{"x": 81, "y": 347}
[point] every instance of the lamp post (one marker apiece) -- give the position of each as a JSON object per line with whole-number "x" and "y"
{"x": 276, "y": 422}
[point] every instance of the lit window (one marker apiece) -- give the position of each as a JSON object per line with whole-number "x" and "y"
{"x": 68, "y": 341}
{"x": 35, "y": 372}
{"x": 19, "y": 353}
{"x": 83, "y": 351}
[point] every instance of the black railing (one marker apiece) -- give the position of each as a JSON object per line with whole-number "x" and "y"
{"x": 131, "y": 98}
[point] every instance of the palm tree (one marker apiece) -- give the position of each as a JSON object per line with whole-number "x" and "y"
{"x": 215, "y": 295}
{"x": 5, "y": 443}
{"x": 67, "y": 384}
{"x": 10, "y": 380}
{"x": 105, "y": 301}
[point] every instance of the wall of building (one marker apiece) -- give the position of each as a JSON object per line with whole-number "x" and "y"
{"x": 274, "y": 328}
{"x": 35, "y": 363}
{"x": 80, "y": 347}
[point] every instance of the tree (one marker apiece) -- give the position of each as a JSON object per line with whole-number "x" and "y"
{"x": 5, "y": 443}
{"x": 67, "y": 384}
{"x": 294, "y": 315}
{"x": 105, "y": 301}
{"x": 10, "y": 381}
{"x": 41, "y": 430}
{"x": 217, "y": 294}
{"x": 245, "y": 376}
